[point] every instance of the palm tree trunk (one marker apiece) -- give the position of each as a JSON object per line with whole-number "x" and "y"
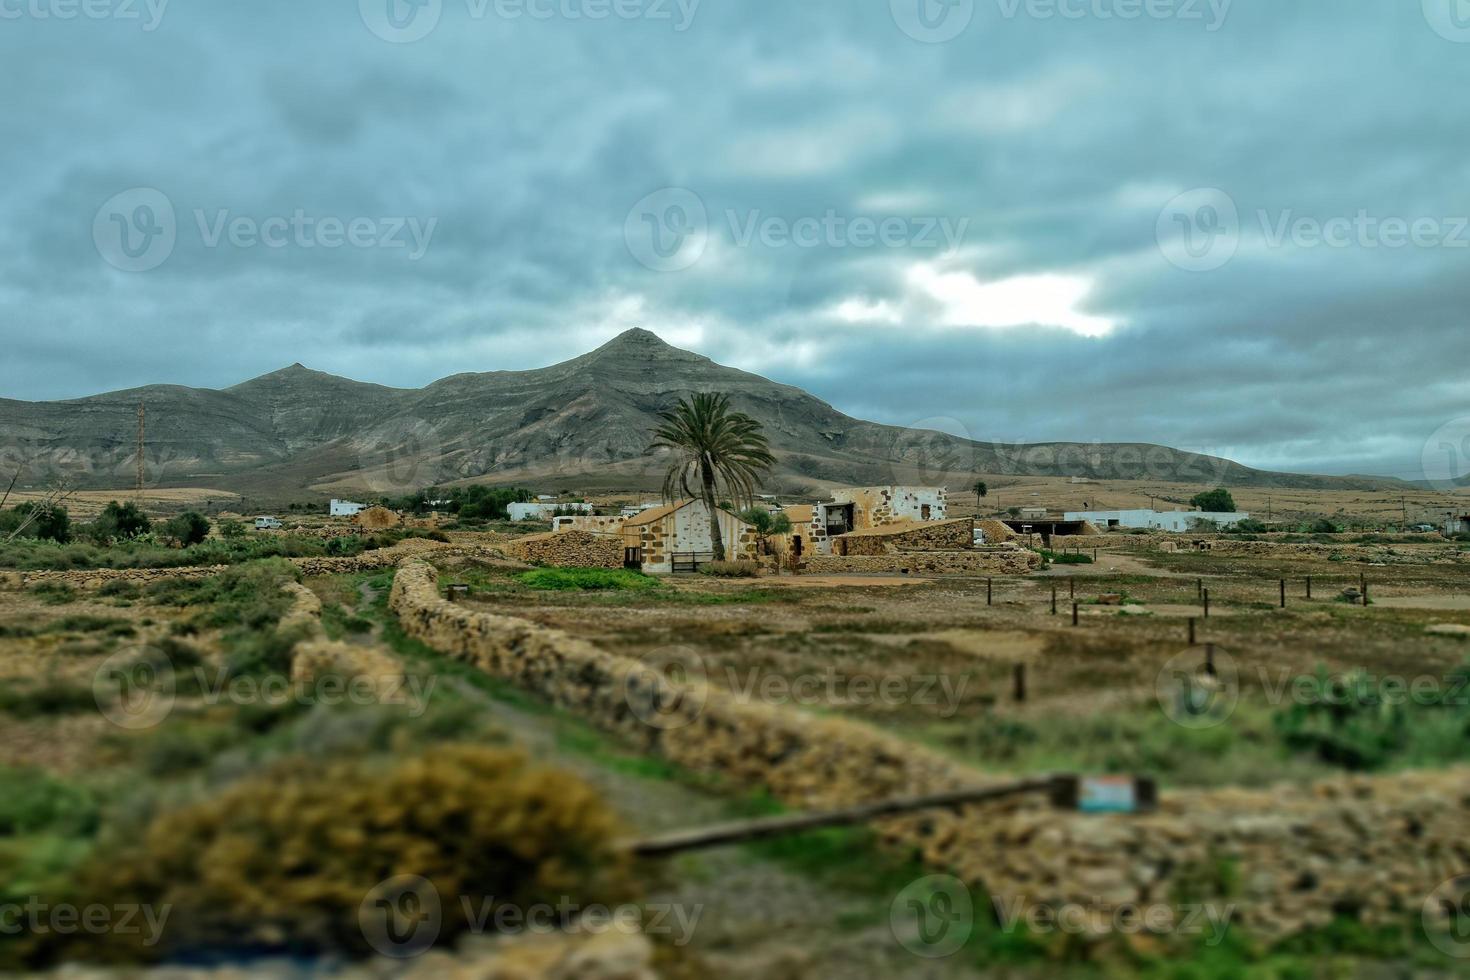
{"x": 707, "y": 477}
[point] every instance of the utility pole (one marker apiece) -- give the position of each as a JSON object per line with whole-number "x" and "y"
{"x": 138, "y": 490}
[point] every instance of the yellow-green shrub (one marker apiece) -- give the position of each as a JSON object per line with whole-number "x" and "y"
{"x": 281, "y": 863}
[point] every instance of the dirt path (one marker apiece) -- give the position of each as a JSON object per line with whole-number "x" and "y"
{"x": 757, "y": 917}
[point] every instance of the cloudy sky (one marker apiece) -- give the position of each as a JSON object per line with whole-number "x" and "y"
{"x": 1236, "y": 227}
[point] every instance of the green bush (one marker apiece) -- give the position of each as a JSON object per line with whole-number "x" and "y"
{"x": 120, "y": 588}
{"x": 91, "y": 624}
{"x": 189, "y": 528}
{"x": 32, "y": 801}
{"x": 55, "y": 593}
{"x": 588, "y": 579}
{"x": 1065, "y": 557}
{"x": 118, "y": 522}
{"x": 50, "y": 523}
{"x": 1217, "y": 500}
{"x": 1347, "y": 721}
{"x": 47, "y": 697}
{"x": 32, "y": 555}
{"x": 283, "y": 862}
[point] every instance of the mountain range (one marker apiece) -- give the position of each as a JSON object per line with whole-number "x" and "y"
{"x": 583, "y": 424}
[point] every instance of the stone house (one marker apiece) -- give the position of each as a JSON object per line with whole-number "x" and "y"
{"x": 676, "y": 538}
{"x": 814, "y": 526}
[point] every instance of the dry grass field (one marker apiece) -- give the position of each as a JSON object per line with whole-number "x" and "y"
{"x": 934, "y": 661}
{"x": 1060, "y": 494}
{"x": 87, "y": 504}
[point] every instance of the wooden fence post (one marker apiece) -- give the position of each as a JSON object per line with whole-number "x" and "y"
{"x": 1018, "y": 678}
{"x": 1205, "y": 596}
{"x": 1074, "y": 614}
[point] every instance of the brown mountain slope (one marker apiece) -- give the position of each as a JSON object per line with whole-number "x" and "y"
{"x": 583, "y": 423}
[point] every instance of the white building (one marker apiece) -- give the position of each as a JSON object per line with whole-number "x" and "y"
{"x": 1176, "y": 521}
{"x": 346, "y": 508}
{"x": 544, "y": 511}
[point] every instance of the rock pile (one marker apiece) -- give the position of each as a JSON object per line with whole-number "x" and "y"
{"x": 377, "y": 519}
{"x": 569, "y": 549}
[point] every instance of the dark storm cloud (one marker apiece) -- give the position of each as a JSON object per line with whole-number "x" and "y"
{"x": 491, "y": 171}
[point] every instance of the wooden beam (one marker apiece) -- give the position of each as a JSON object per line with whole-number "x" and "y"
{"x": 743, "y": 831}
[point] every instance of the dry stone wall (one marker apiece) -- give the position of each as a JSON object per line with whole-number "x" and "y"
{"x": 999, "y": 560}
{"x": 570, "y": 549}
{"x": 368, "y": 561}
{"x": 1302, "y": 854}
{"x": 316, "y": 657}
{"x": 955, "y": 535}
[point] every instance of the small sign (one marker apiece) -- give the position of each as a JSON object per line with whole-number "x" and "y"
{"x": 1104, "y": 794}
{"x": 1107, "y": 794}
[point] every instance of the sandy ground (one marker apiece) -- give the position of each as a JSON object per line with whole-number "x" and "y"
{"x": 1422, "y": 601}
{"x": 841, "y": 581}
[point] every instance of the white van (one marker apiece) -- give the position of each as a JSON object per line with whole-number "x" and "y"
{"x": 267, "y": 524}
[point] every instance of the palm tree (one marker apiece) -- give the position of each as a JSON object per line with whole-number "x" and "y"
{"x": 721, "y": 451}
{"x": 981, "y": 490}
